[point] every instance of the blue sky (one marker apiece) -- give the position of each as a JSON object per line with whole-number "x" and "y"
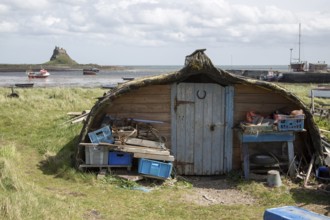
{"x": 154, "y": 32}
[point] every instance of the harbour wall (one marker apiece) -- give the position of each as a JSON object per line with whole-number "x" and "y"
{"x": 290, "y": 77}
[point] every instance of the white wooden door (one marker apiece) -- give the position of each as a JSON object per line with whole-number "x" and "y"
{"x": 198, "y": 128}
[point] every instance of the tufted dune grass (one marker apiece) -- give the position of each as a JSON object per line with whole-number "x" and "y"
{"x": 37, "y": 180}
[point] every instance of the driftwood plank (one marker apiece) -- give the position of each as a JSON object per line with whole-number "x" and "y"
{"x": 129, "y": 148}
{"x": 146, "y": 150}
{"x": 110, "y": 146}
{"x": 74, "y": 113}
{"x": 78, "y": 113}
{"x": 145, "y": 143}
{"x": 154, "y": 157}
{"x": 79, "y": 118}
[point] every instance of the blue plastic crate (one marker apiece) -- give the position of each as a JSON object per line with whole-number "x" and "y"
{"x": 101, "y": 135}
{"x": 120, "y": 158}
{"x": 292, "y": 213}
{"x": 155, "y": 168}
{"x": 290, "y": 125}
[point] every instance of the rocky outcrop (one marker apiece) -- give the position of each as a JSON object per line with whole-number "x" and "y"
{"x": 60, "y": 56}
{"x": 57, "y": 52}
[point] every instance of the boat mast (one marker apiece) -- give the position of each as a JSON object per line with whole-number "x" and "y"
{"x": 299, "y": 41}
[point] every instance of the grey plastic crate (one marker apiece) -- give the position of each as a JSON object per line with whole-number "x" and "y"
{"x": 97, "y": 155}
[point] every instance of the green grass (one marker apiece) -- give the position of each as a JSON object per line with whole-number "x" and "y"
{"x": 37, "y": 180}
{"x": 62, "y": 59}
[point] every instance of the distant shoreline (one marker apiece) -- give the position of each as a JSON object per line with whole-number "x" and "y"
{"x": 79, "y": 67}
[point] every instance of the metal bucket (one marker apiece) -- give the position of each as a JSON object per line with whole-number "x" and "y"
{"x": 274, "y": 178}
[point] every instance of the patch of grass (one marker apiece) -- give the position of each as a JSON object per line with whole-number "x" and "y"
{"x": 62, "y": 59}
{"x": 9, "y": 180}
{"x": 268, "y": 196}
{"x": 7, "y": 151}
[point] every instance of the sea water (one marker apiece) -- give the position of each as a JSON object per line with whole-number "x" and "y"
{"x": 104, "y": 77}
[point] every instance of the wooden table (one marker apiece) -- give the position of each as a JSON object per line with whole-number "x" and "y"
{"x": 287, "y": 137}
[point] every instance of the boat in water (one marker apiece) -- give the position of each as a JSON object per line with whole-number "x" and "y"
{"x": 41, "y": 74}
{"x": 128, "y": 78}
{"x": 90, "y": 71}
{"x": 24, "y": 85}
{"x": 271, "y": 76}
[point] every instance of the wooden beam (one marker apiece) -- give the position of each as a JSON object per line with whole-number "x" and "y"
{"x": 145, "y": 150}
{"x": 145, "y": 143}
{"x": 109, "y": 146}
{"x": 129, "y": 148}
{"x": 74, "y": 113}
{"x": 326, "y": 131}
{"x": 154, "y": 157}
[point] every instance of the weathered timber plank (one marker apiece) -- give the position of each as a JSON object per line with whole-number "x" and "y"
{"x": 154, "y": 157}
{"x": 129, "y": 148}
{"x": 144, "y": 143}
{"x": 130, "y": 177}
{"x": 261, "y": 98}
{"x": 164, "y": 117}
{"x": 143, "y": 108}
{"x": 109, "y": 146}
{"x": 79, "y": 120}
{"x": 146, "y": 150}
{"x": 74, "y": 113}
{"x": 102, "y": 165}
{"x": 146, "y": 99}
{"x": 245, "y": 89}
{"x": 154, "y": 89}
{"x": 259, "y": 107}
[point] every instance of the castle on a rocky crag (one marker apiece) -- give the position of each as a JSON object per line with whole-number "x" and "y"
{"x": 57, "y": 52}
{"x": 60, "y": 56}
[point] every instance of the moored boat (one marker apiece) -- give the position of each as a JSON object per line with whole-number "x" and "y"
{"x": 90, "y": 71}
{"x": 24, "y": 85}
{"x": 41, "y": 74}
{"x": 271, "y": 76}
{"x": 128, "y": 78}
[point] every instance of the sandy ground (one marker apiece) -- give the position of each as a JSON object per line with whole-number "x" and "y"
{"x": 215, "y": 190}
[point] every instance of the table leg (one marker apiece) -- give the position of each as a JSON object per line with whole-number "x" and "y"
{"x": 292, "y": 166}
{"x": 246, "y": 160}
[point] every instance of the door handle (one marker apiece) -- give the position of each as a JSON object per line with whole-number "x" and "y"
{"x": 214, "y": 125}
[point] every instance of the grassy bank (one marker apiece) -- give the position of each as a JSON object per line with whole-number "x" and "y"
{"x": 37, "y": 180}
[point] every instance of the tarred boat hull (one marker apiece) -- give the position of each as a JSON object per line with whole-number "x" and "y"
{"x": 89, "y": 73}
{"x": 40, "y": 77}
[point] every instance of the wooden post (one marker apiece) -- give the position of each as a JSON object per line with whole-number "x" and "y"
{"x": 292, "y": 166}
{"x": 246, "y": 160}
{"x": 312, "y": 100}
{"x": 309, "y": 171}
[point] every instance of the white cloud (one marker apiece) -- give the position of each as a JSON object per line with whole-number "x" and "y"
{"x": 7, "y": 27}
{"x": 3, "y": 8}
{"x": 171, "y": 23}
{"x": 33, "y": 5}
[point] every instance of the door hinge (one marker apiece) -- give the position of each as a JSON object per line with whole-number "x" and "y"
{"x": 180, "y": 102}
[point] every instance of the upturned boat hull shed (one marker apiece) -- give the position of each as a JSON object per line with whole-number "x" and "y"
{"x": 199, "y": 107}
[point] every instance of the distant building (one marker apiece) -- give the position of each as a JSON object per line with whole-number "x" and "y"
{"x": 315, "y": 67}
{"x": 297, "y": 67}
{"x": 58, "y": 51}
{"x": 60, "y": 56}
